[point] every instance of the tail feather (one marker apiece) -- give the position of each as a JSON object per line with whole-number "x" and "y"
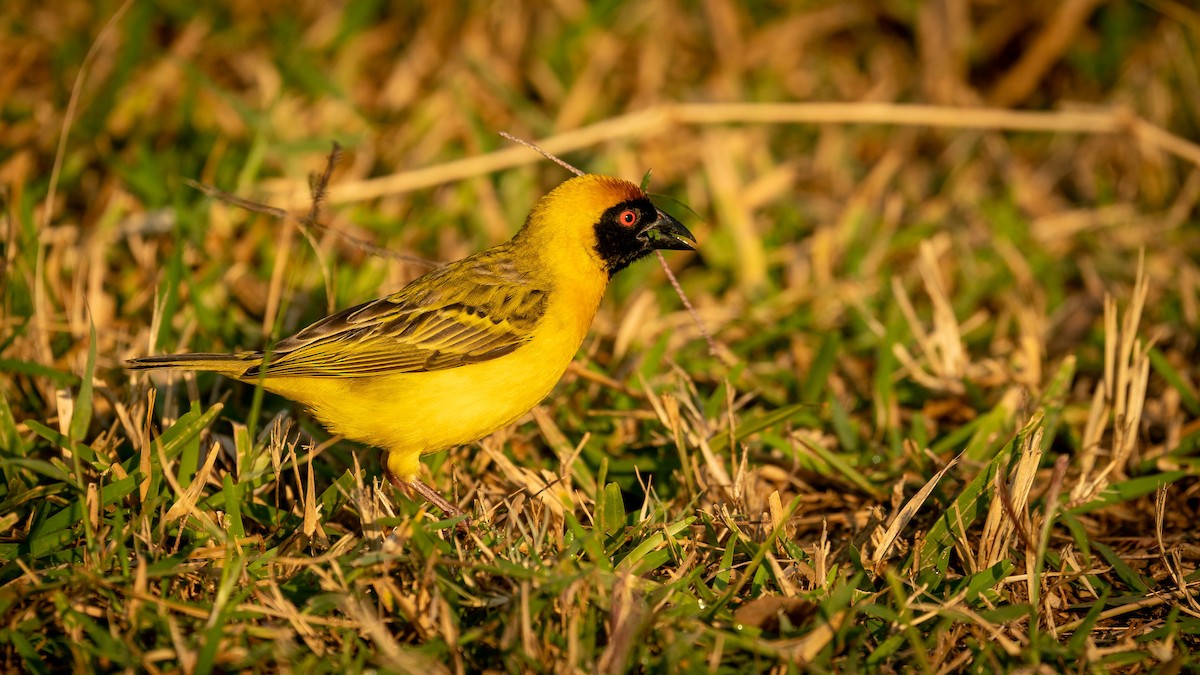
{"x": 233, "y": 365}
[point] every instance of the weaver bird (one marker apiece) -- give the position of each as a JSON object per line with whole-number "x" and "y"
{"x": 465, "y": 349}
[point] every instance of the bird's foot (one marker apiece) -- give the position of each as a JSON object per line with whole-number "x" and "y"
{"x": 433, "y": 497}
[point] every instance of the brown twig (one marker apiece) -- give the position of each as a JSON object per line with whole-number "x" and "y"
{"x": 687, "y": 304}
{"x": 658, "y": 119}
{"x": 1009, "y": 508}
{"x": 569, "y": 167}
{"x": 319, "y": 194}
{"x": 318, "y": 184}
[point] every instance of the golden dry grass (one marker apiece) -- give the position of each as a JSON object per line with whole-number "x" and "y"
{"x": 948, "y": 254}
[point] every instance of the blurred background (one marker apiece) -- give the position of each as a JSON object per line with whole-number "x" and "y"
{"x": 881, "y": 279}
{"x": 249, "y": 99}
{"x": 801, "y": 224}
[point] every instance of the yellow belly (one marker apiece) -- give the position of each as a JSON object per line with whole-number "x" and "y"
{"x": 411, "y": 414}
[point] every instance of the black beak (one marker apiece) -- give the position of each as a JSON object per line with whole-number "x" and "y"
{"x": 668, "y": 233}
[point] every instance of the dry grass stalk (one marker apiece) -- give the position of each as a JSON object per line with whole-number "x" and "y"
{"x": 1046, "y": 50}
{"x": 1009, "y": 514}
{"x": 657, "y": 119}
{"x": 884, "y": 541}
{"x": 944, "y": 364}
{"x": 839, "y": 203}
{"x": 1120, "y": 399}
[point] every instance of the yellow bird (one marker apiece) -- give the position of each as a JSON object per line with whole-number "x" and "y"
{"x": 465, "y": 349}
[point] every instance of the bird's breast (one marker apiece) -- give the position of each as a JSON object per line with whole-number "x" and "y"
{"x": 422, "y": 412}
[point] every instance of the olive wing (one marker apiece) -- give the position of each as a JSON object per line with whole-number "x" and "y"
{"x": 472, "y": 311}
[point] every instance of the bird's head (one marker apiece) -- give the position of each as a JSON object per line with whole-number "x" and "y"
{"x": 613, "y": 219}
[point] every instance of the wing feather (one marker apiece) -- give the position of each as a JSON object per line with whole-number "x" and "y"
{"x": 477, "y": 309}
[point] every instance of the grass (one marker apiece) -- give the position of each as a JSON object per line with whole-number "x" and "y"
{"x": 950, "y": 423}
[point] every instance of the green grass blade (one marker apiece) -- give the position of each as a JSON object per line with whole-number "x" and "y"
{"x": 10, "y": 438}
{"x": 81, "y": 418}
{"x": 58, "y": 377}
{"x": 1187, "y": 395}
{"x": 611, "y": 509}
{"x": 970, "y": 502}
{"x": 720, "y": 443}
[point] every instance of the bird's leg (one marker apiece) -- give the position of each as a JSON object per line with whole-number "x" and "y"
{"x": 421, "y": 488}
{"x": 433, "y": 497}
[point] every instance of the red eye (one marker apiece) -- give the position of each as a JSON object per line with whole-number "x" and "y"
{"x": 628, "y": 217}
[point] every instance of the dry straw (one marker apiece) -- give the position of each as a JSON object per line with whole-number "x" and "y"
{"x": 662, "y": 118}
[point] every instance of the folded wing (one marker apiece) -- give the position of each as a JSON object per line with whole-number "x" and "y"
{"x": 475, "y": 310}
